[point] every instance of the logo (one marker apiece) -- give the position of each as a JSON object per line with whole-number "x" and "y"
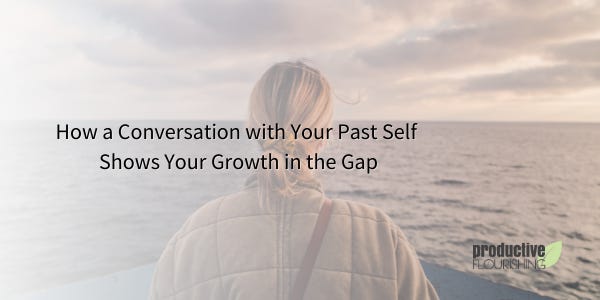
{"x": 516, "y": 256}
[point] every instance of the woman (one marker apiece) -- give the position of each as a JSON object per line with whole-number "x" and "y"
{"x": 280, "y": 238}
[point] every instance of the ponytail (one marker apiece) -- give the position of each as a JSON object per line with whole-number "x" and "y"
{"x": 281, "y": 181}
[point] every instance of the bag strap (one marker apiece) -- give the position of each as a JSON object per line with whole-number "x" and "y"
{"x": 310, "y": 257}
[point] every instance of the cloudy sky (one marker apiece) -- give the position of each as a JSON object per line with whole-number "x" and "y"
{"x": 408, "y": 60}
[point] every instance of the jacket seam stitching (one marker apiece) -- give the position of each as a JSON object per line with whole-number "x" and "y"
{"x": 284, "y": 268}
{"x": 351, "y": 247}
{"x": 260, "y": 215}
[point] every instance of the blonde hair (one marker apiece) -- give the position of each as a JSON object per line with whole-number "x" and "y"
{"x": 289, "y": 93}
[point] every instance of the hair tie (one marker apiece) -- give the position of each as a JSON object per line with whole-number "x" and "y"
{"x": 287, "y": 145}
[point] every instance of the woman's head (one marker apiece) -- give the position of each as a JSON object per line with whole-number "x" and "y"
{"x": 290, "y": 93}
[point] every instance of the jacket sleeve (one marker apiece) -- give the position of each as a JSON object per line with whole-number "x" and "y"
{"x": 411, "y": 280}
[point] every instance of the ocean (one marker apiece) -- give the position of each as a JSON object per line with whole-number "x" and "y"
{"x": 63, "y": 218}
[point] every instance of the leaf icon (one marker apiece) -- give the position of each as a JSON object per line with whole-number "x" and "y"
{"x": 553, "y": 252}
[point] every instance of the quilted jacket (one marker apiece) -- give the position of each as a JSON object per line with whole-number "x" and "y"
{"x": 235, "y": 248}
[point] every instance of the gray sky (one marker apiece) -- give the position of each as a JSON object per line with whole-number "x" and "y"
{"x": 410, "y": 60}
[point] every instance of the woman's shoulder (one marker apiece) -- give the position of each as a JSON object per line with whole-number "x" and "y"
{"x": 369, "y": 226}
{"x": 366, "y": 213}
{"x": 361, "y": 210}
{"x": 213, "y": 211}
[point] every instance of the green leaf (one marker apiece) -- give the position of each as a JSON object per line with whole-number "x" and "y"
{"x": 552, "y": 254}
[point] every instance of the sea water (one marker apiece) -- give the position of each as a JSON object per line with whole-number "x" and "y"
{"x": 455, "y": 185}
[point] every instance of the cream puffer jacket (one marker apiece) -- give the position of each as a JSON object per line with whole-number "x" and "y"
{"x": 234, "y": 248}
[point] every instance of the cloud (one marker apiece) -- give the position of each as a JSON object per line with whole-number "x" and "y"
{"x": 238, "y": 26}
{"x": 544, "y": 80}
{"x": 584, "y": 51}
{"x": 489, "y": 42}
{"x": 188, "y": 59}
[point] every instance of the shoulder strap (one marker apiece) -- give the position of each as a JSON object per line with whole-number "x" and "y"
{"x": 310, "y": 257}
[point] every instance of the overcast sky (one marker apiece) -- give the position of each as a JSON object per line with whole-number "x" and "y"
{"x": 408, "y": 60}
